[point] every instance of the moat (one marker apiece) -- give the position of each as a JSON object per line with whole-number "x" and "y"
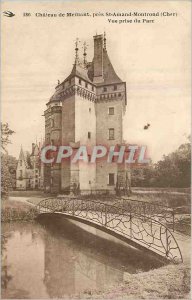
{"x": 55, "y": 258}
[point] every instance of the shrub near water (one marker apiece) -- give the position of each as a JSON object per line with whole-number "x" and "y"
{"x": 13, "y": 211}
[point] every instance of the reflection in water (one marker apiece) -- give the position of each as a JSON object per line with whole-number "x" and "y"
{"x": 5, "y": 277}
{"x": 56, "y": 259}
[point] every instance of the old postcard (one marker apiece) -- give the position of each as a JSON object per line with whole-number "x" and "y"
{"x": 95, "y": 149}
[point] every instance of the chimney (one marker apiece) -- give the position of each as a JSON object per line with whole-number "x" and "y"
{"x": 98, "y": 58}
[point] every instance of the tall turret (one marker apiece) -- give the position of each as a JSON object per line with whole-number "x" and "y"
{"x": 87, "y": 108}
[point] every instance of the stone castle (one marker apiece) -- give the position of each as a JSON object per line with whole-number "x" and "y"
{"x": 87, "y": 108}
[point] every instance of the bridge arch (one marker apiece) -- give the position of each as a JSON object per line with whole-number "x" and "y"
{"x": 140, "y": 231}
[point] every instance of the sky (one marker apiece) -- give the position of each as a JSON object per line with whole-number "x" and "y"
{"x": 153, "y": 59}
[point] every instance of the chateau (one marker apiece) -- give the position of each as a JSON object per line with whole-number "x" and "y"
{"x": 87, "y": 108}
{"x": 29, "y": 172}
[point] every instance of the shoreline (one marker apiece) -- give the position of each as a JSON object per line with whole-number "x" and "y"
{"x": 12, "y": 211}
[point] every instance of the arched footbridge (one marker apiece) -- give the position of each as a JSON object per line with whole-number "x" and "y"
{"x": 138, "y": 230}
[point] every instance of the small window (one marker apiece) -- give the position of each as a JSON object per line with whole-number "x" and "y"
{"x": 115, "y": 87}
{"x": 20, "y": 163}
{"x": 111, "y": 134}
{"x": 86, "y": 85}
{"x": 20, "y": 173}
{"x": 89, "y": 135}
{"x": 105, "y": 89}
{"x": 79, "y": 81}
{"x": 89, "y": 109}
{"x": 111, "y": 110}
{"x": 89, "y": 181}
{"x": 92, "y": 88}
{"x": 119, "y": 94}
{"x": 111, "y": 179}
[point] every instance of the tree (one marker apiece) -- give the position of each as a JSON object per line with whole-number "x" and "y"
{"x": 172, "y": 171}
{"x": 6, "y": 179}
{"x": 6, "y": 132}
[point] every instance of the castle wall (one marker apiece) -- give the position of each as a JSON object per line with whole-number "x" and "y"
{"x": 103, "y": 169}
{"x": 68, "y": 120}
{"x": 106, "y": 121}
{"x": 85, "y": 123}
{"x": 68, "y": 135}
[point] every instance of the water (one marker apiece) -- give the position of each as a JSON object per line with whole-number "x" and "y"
{"x": 55, "y": 258}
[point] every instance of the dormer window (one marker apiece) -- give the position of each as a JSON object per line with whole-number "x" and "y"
{"x": 79, "y": 81}
{"x": 115, "y": 87}
{"x": 86, "y": 85}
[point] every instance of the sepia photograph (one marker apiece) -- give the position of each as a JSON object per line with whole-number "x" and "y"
{"x": 96, "y": 149}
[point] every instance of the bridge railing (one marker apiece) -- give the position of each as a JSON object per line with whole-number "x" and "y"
{"x": 162, "y": 213}
{"x": 142, "y": 229}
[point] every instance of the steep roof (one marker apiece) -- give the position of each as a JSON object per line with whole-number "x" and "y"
{"x": 109, "y": 73}
{"x": 25, "y": 156}
{"x": 87, "y": 73}
{"x": 77, "y": 70}
{"x": 80, "y": 71}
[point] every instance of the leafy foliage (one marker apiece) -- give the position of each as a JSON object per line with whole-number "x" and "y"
{"x": 172, "y": 171}
{"x": 8, "y": 163}
{"x": 6, "y": 132}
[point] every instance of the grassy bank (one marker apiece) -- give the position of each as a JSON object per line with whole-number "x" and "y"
{"x": 163, "y": 190}
{"x": 164, "y": 198}
{"x": 169, "y": 282}
{"x": 27, "y": 194}
{"x": 16, "y": 211}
